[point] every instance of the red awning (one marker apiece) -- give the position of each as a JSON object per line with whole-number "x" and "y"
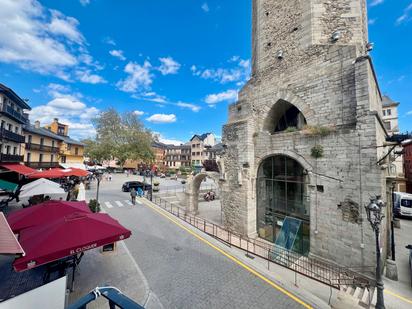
{"x": 60, "y": 173}
{"x": 43, "y": 213}
{"x": 19, "y": 168}
{"x": 8, "y": 242}
{"x": 67, "y": 236}
{"x": 51, "y": 173}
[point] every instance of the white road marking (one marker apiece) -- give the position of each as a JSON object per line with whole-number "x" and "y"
{"x": 128, "y": 202}
{"x": 119, "y": 203}
{"x": 139, "y": 202}
{"x": 108, "y": 205}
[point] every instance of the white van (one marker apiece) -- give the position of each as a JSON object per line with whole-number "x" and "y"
{"x": 402, "y": 204}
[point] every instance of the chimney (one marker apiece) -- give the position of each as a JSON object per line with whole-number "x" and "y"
{"x": 37, "y": 124}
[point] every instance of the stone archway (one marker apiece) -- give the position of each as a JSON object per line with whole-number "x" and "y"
{"x": 193, "y": 188}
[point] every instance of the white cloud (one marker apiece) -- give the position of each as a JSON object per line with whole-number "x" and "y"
{"x": 162, "y": 118}
{"x": 168, "y": 66}
{"x": 84, "y": 2}
{"x": 405, "y": 17}
{"x": 87, "y": 77}
{"x": 193, "y": 107}
{"x": 41, "y": 40}
{"x": 239, "y": 73}
{"x": 117, "y": 53}
{"x": 109, "y": 41}
{"x": 227, "y": 96}
{"x": 376, "y": 2}
{"x": 70, "y": 110}
{"x": 372, "y": 21}
{"x": 139, "y": 77}
{"x": 138, "y": 113}
{"x": 167, "y": 141}
{"x": 409, "y": 113}
{"x": 205, "y": 7}
{"x": 65, "y": 26}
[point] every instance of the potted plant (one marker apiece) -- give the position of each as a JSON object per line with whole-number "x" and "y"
{"x": 156, "y": 187}
{"x": 94, "y": 206}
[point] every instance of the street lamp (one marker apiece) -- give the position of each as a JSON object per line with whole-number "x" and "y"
{"x": 99, "y": 178}
{"x": 375, "y": 216}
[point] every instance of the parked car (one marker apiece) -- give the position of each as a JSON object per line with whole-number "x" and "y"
{"x": 402, "y": 204}
{"x": 410, "y": 260}
{"x": 162, "y": 175}
{"x": 127, "y": 186}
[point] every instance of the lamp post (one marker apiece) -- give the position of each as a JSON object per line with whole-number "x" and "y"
{"x": 151, "y": 185}
{"x": 99, "y": 178}
{"x": 375, "y": 216}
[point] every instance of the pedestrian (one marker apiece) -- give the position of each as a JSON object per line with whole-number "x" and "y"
{"x": 110, "y": 176}
{"x": 140, "y": 191}
{"x": 133, "y": 195}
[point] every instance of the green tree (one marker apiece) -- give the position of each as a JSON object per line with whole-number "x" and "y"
{"x": 120, "y": 137}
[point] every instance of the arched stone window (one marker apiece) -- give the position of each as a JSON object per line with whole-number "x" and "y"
{"x": 284, "y": 115}
{"x": 281, "y": 194}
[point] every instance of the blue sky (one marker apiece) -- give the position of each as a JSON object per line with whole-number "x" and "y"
{"x": 177, "y": 64}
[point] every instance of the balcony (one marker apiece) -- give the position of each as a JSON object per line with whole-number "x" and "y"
{"x": 8, "y": 158}
{"x": 11, "y": 136}
{"x": 37, "y": 165}
{"x": 39, "y": 147}
{"x": 10, "y": 112}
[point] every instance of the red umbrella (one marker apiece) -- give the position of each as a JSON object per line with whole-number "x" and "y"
{"x": 67, "y": 236}
{"x": 43, "y": 213}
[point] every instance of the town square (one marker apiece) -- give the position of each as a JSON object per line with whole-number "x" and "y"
{"x": 205, "y": 154}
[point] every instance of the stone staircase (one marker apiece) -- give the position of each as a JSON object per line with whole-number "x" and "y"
{"x": 354, "y": 297}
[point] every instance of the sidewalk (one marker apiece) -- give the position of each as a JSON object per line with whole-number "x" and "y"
{"x": 314, "y": 293}
{"x": 117, "y": 269}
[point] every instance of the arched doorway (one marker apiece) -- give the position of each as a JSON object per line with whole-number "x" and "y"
{"x": 196, "y": 187}
{"x": 282, "y": 200}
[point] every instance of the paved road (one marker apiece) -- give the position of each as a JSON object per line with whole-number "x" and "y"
{"x": 181, "y": 270}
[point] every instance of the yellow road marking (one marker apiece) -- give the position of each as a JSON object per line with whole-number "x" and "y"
{"x": 398, "y": 296}
{"x": 277, "y": 287}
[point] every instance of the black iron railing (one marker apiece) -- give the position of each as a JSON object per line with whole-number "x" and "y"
{"x": 11, "y": 136}
{"x": 327, "y": 273}
{"x": 9, "y": 111}
{"x": 39, "y": 147}
{"x": 42, "y": 164}
{"x": 8, "y": 158}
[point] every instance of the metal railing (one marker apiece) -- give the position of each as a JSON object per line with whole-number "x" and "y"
{"x": 39, "y": 147}
{"x": 11, "y": 136}
{"x": 9, "y": 111}
{"x": 327, "y": 273}
{"x": 9, "y": 158}
{"x": 42, "y": 164}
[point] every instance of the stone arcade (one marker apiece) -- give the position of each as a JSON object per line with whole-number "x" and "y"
{"x": 303, "y": 139}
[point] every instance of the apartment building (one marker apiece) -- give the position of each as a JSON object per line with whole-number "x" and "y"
{"x": 71, "y": 151}
{"x": 390, "y": 115}
{"x": 199, "y": 145}
{"x": 177, "y": 156}
{"x": 42, "y": 147}
{"x": 12, "y": 119}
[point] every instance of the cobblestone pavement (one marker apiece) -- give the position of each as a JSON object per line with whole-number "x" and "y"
{"x": 182, "y": 271}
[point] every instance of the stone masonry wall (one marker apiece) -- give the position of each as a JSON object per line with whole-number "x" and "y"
{"x": 333, "y": 87}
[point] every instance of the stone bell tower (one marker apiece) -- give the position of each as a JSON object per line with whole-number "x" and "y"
{"x": 303, "y": 140}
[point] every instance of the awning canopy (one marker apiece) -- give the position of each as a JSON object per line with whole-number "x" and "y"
{"x": 74, "y": 165}
{"x": 59, "y": 173}
{"x": 67, "y": 236}
{"x": 19, "y": 168}
{"x": 43, "y": 213}
{"x": 8, "y": 242}
{"x": 8, "y": 186}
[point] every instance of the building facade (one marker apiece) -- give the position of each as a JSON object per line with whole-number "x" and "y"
{"x": 407, "y": 153}
{"x": 42, "y": 147}
{"x": 159, "y": 151}
{"x": 304, "y": 138}
{"x": 199, "y": 145}
{"x": 177, "y": 157}
{"x": 12, "y": 119}
{"x": 71, "y": 151}
{"x": 390, "y": 115}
